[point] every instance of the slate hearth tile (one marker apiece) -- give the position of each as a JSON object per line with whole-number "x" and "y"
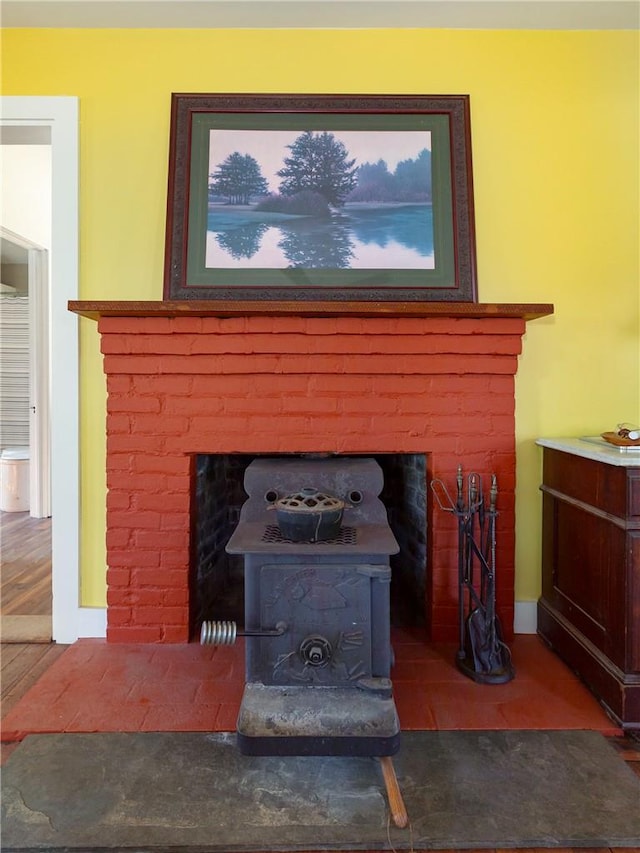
{"x": 455, "y": 715}
{"x": 131, "y": 659}
{"x": 154, "y": 692}
{"x": 533, "y": 659}
{"x": 221, "y": 690}
{"x": 413, "y": 710}
{"x": 180, "y": 718}
{"x": 200, "y": 670}
{"x": 222, "y": 671}
{"x": 105, "y": 718}
{"x": 465, "y": 692}
{"x": 404, "y": 670}
{"x": 195, "y": 661}
{"x": 96, "y": 686}
{"x": 549, "y": 711}
{"x": 29, "y": 716}
{"x": 227, "y": 717}
{"x": 496, "y": 789}
{"x": 422, "y": 650}
{"x": 427, "y": 671}
{"x": 84, "y": 649}
{"x": 467, "y": 705}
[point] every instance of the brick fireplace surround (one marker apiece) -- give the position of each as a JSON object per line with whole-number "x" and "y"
{"x": 187, "y": 378}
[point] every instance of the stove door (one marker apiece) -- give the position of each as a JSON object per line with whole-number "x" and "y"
{"x": 330, "y": 611}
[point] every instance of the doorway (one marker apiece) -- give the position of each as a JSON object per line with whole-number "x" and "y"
{"x": 26, "y": 118}
{"x": 25, "y": 494}
{"x": 24, "y": 326}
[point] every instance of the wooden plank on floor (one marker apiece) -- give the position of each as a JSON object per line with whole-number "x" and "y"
{"x": 27, "y": 591}
{"x": 9, "y": 652}
{"x": 25, "y": 629}
{"x": 25, "y": 565}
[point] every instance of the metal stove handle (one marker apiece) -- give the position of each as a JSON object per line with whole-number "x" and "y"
{"x": 225, "y": 633}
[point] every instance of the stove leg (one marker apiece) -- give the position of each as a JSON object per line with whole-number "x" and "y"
{"x": 396, "y": 803}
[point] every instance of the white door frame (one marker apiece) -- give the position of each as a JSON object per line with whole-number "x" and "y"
{"x": 60, "y": 114}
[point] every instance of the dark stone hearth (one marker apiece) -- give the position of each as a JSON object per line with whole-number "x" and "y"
{"x": 159, "y": 792}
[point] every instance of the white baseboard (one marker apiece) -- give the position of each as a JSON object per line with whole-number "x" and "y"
{"x": 525, "y": 619}
{"x": 74, "y": 623}
{"x": 92, "y": 622}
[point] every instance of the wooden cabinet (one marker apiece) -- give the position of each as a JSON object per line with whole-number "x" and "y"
{"x": 589, "y": 610}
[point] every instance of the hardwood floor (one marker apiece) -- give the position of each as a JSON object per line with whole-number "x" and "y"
{"x": 25, "y": 606}
{"x": 25, "y": 578}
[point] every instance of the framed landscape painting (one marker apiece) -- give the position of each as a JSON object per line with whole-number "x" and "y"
{"x": 320, "y": 197}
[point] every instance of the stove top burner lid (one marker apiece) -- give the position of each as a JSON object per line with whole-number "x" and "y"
{"x": 309, "y": 515}
{"x": 309, "y": 500}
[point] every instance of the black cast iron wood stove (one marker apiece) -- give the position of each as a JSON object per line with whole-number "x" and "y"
{"x": 317, "y": 620}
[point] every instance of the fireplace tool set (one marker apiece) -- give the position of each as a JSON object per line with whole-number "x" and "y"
{"x": 482, "y": 655}
{"x": 316, "y": 544}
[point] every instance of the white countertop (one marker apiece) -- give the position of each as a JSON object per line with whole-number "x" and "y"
{"x": 594, "y": 447}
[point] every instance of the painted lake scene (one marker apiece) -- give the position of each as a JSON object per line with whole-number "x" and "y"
{"x": 319, "y": 200}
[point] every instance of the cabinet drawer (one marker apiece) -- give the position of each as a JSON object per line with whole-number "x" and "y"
{"x": 612, "y": 489}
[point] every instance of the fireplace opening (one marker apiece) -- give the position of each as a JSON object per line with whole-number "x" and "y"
{"x": 217, "y": 578}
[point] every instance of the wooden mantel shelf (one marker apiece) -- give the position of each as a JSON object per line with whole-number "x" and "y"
{"x": 242, "y": 308}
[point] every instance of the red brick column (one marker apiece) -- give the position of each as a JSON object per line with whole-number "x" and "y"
{"x": 188, "y": 385}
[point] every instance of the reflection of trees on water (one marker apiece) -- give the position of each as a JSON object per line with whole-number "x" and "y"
{"x": 319, "y": 243}
{"x": 242, "y": 242}
{"x": 412, "y": 228}
{"x": 314, "y": 249}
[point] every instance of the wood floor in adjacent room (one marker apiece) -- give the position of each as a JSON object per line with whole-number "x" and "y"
{"x": 25, "y": 578}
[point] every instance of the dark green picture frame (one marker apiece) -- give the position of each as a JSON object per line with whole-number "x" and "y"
{"x": 446, "y": 117}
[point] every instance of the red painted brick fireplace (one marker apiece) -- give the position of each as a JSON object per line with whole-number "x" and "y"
{"x": 184, "y": 380}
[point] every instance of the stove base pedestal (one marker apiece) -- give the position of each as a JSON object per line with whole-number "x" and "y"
{"x": 281, "y": 720}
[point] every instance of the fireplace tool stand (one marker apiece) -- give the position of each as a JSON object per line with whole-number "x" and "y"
{"x": 317, "y": 615}
{"x": 482, "y": 654}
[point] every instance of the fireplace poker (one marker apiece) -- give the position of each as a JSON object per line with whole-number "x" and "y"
{"x": 396, "y": 803}
{"x": 464, "y": 509}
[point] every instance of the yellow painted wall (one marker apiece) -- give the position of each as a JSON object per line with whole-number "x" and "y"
{"x": 556, "y": 156}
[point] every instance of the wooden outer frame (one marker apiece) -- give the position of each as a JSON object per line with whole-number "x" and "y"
{"x": 460, "y": 268}
{"x": 94, "y": 310}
